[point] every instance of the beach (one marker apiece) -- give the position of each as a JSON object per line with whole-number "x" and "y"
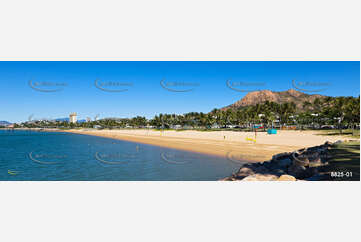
{"x": 230, "y": 144}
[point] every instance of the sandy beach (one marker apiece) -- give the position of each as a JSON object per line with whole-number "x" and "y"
{"x": 239, "y": 146}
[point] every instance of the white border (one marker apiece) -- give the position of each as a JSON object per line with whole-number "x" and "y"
{"x": 280, "y": 30}
{"x": 180, "y": 30}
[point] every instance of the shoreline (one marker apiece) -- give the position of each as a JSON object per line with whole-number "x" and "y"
{"x": 227, "y": 144}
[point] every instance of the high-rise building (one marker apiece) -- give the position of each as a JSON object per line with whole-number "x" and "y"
{"x": 73, "y": 118}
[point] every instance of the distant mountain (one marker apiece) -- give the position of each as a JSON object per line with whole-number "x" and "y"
{"x": 4, "y": 123}
{"x": 258, "y": 97}
{"x": 62, "y": 119}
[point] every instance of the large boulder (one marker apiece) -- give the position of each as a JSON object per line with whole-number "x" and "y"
{"x": 297, "y": 171}
{"x": 315, "y": 161}
{"x": 262, "y": 170}
{"x": 252, "y": 165}
{"x": 244, "y": 172}
{"x": 328, "y": 143}
{"x": 284, "y": 163}
{"x": 261, "y": 177}
{"x": 281, "y": 156}
{"x": 300, "y": 159}
{"x": 311, "y": 171}
{"x": 278, "y": 172}
{"x": 267, "y": 164}
{"x": 286, "y": 178}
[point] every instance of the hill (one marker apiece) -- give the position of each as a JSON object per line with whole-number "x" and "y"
{"x": 258, "y": 97}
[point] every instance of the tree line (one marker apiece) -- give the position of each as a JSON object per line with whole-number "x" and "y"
{"x": 339, "y": 112}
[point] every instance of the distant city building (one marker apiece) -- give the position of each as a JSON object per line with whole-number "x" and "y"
{"x": 73, "y": 118}
{"x": 88, "y": 119}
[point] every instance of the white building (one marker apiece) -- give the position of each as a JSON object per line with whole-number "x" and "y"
{"x": 73, "y": 118}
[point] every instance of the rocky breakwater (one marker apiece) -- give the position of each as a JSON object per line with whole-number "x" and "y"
{"x": 303, "y": 164}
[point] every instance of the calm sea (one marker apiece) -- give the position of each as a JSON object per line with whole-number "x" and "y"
{"x": 50, "y": 156}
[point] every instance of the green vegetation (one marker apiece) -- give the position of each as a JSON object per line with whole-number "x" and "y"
{"x": 345, "y": 160}
{"x": 346, "y": 132}
{"x": 323, "y": 113}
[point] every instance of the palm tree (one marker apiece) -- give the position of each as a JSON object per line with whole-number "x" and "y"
{"x": 284, "y": 113}
{"x": 340, "y": 109}
{"x": 210, "y": 120}
{"x": 352, "y": 108}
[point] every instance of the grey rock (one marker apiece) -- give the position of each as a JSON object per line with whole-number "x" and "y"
{"x": 266, "y": 163}
{"x": 281, "y": 156}
{"x": 261, "y": 177}
{"x": 262, "y": 170}
{"x": 297, "y": 171}
{"x": 286, "y": 178}
{"x": 328, "y": 143}
{"x": 285, "y": 162}
{"x": 315, "y": 163}
{"x": 278, "y": 172}
{"x": 252, "y": 165}
{"x": 312, "y": 171}
{"x": 244, "y": 172}
{"x": 300, "y": 160}
{"x": 302, "y": 150}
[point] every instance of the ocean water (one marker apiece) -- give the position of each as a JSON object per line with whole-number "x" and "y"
{"x": 51, "y": 156}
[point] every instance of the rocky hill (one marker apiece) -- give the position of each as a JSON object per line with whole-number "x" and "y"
{"x": 258, "y": 97}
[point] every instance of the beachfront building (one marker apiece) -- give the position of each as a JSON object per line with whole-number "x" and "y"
{"x": 176, "y": 126}
{"x": 73, "y": 118}
{"x": 215, "y": 126}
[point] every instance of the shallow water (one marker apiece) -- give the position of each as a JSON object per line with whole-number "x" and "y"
{"x": 50, "y": 156}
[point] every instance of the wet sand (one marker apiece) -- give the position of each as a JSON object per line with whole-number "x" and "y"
{"x": 231, "y": 144}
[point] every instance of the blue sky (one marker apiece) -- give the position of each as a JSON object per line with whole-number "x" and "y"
{"x": 146, "y": 96}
